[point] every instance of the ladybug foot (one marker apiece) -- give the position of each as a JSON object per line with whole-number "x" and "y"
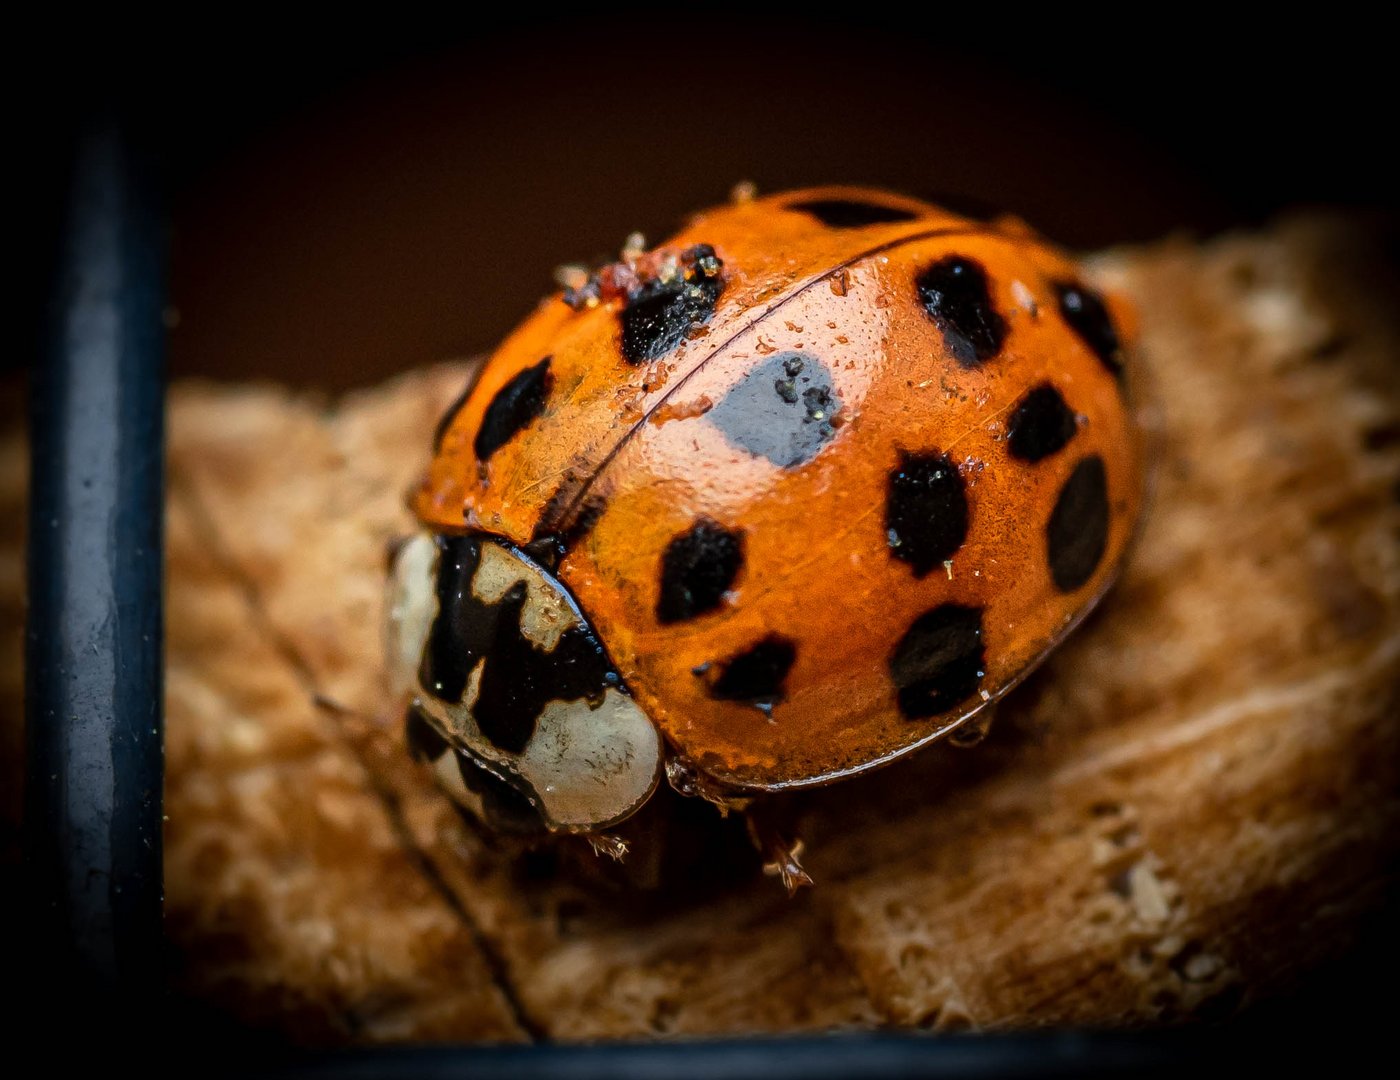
{"x": 780, "y": 855}
{"x": 975, "y": 729}
{"x": 786, "y": 867}
{"x": 605, "y": 845}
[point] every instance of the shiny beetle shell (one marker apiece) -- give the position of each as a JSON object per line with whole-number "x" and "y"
{"x": 821, "y": 477}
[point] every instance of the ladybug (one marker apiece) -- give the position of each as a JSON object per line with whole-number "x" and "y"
{"x": 805, "y": 488}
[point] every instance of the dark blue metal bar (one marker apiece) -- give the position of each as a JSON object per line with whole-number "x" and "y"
{"x": 833, "y": 1057}
{"x": 94, "y": 648}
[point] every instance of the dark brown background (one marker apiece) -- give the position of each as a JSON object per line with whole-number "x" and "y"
{"x": 352, "y": 200}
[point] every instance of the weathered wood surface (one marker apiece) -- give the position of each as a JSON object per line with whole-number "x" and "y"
{"x": 1190, "y": 806}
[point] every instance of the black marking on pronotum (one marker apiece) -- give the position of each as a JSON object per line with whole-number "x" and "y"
{"x": 851, "y": 213}
{"x": 782, "y": 409}
{"x": 1077, "y": 533}
{"x": 697, "y": 568}
{"x": 546, "y": 550}
{"x": 425, "y": 742}
{"x": 926, "y": 512}
{"x": 440, "y": 432}
{"x": 661, "y": 313}
{"x": 756, "y": 676}
{"x": 955, "y": 293}
{"x": 518, "y": 679}
{"x": 939, "y": 661}
{"x": 1087, "y": 315}
{"x": 1041, "y": 424}
{"x": 505, "y": 807}
{"x": 517, "y": 403}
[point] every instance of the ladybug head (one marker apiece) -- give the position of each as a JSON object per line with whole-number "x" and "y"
{"x": 514, "y": 699}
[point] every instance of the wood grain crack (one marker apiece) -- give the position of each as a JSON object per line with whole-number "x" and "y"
{"x": 205, "y": 523}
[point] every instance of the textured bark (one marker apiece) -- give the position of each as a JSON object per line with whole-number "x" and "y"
{"x": 1192, "y": 805}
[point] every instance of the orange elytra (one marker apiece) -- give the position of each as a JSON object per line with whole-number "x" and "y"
{"x": 808, "y": 486}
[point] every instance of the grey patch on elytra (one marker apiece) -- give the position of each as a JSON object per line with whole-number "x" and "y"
{"x": 782, "y": 409}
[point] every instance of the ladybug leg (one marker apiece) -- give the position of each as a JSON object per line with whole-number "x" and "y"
{"x": 687, "y": 779}
{"x": 974, "y": 730}
{"x": 774, "y": 839}
{"x": 779, "y": 848}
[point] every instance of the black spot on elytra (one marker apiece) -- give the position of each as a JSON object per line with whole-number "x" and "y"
{"x": 1041, "y": 424}
{"x": 425, "y": 743}
{"x": 518, "y": 678}
{"x": 1078, "y": 530}
{"x": 1087, "y": 315}
{"x": 756, "y": 676}
{"x": 552, "y": 537}
{"x": 584, "y": 521}
{"x": 851, "y": 213}
{"x": 955, "y": 293}
{"x": 556, "y": 508}
{"x": 783, "y": 409}
{"x": 659, "y": 315}
{"x": 697, "y": 569}
{"x": 925, "y": 511}
{"x": 516, "y": 404}
{"x": 964, "y": 204}
{"x": 440, "y": 432}
{"x": 938, "y": 663}
{"x": 506, "y": 808}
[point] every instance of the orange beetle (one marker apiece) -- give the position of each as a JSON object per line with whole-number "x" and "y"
{"x": 807, "y": 487}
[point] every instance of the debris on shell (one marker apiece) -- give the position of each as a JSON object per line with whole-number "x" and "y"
{"x": 637, "y": 269}
{"x": 672, "y": 410}
{"x": 745, "y": 191}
